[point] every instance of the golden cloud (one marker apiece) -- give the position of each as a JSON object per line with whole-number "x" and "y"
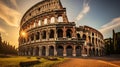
{"x": 9, "y": 15}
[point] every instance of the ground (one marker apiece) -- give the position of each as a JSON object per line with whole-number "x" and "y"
{"x": 14, "y": 61}
{"x": 90, "y": 62}
{"x": 62, "y": 62}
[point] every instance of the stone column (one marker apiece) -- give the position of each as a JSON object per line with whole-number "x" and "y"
{"x": 74, "y": 50}
{"x": 56, "y": 19}
{"x": 64, "y": 32}
{"x": 88, "y": 52}
{"x": 34, "y": 51}
{"x": 74, "y": 33}
{"x": 40, "y": 51}
{"x": 55, "y": 51}
{"x": 47, "y": 50}
{"x": 64, "y": 51}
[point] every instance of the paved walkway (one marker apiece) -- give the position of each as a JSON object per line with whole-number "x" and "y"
{"x": 79, "y": 62}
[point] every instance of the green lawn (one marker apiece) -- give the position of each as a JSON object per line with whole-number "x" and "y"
{"x": 14, "y": 61}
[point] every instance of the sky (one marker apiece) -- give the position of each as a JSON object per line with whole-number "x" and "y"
{"x": 103, "y": 15}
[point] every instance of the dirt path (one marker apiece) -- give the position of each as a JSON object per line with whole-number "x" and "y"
{"x": 77, "y": 62}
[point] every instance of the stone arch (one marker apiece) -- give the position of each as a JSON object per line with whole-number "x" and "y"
{"x": 93, "y": 52}
{"x": 60, "y": 19}
{"x": 85, "y": 50}
{"x": 84, "y": 36}
{"x": 37, "y": 35}
{"x": 69, "y": 33}
{"x": 97, "y": 52}
{"x": 31, "y": 51}
{"x": 37, "y": 51}
{"x": 51, "y": 35}
{"x": 44, "y": 33}
{"x": 39, "y": 23}
{"x": 45, "y": 21}
{"x": 60, "y": 50}
{"x": 52, "y": 20}
{"x": 78, "y": 51}
{"x": 43, "y": 51}
{"x": 78, "y": 36}
{"x": 51, "y": 51}
{"x": 90, "y": 51}
{"x": 32, "y": 37}
{"x": 60, "y": 33}
{"x": 69, "y": 50}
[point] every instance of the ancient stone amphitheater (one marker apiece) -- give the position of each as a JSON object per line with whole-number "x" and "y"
{"x": 46, "y": 31}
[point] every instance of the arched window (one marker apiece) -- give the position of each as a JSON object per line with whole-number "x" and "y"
{"x": 45, "y": 21}
{"x": 37, "y": 36}
{"x": 69, "y": 33}
{"x": 44, "y": 35}
{"x": 60, "y": 19}
{"x": 39, "y": 23}
{"x": 32, "y": 37}
{"x": 78, "y": 35}
{"x": 53, "y": 20}
{"x": 51, "y": 35}
{"x": 34, "y": 25}
{"x": 84, "y": 36}
{"x": 60, "y": 33}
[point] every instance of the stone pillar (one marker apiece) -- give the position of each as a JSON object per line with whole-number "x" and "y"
{"x": 55, "y": 51}
{"x": 64, "y": 51}
{"x": 64, "y": 32}
{"x": 34, "y": 37}
{"x": 74, "y": 33}
{"x": 88, "y": 52}
{"x": 56, "y": 19}
{"x": 34, "y": 51}
{"x": 47, "y": 34}
{"x": 74, "y": 50}
{"x": 47, "y": 50}
{"x": 29, "y": 53}
{"x": 40, "y": 51}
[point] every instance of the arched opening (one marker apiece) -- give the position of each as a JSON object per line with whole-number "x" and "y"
{"x": 60, "y": 51}
{"x": 32, "y": 37}
{"x": 69, "y": 50}
{"x": 69, "y": 33}
{"x": 97, "y": 52}
{"x": 89, "y": 39}
{"x": 31, "y": 51}
{"x": 37, "y": 51}
{"x": 93, "y": 52}
{"x": 78, "y": 51}
{"x": 45, "y": 21}
{"x": 39, "y": 23}
{"x": 60, "y": 19}
{"x": 84, "y": 36}
{"x": 90, "y": 52}
{"x": 53, "y": 20}
{"x": 51, "y": 51}
{"x": 51, "y": 35}
{"x": 43, "y": 51}
{"x": 93, "y": 41}
{"x": 85, "y": 50}
{"x": 60, "y": 33}
{"x": 78, "y": 36}
{"x": 44, "y": 35}
{"x": 37, "y": 36}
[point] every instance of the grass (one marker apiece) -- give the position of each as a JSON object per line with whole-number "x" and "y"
{"x": 14, "y": 61}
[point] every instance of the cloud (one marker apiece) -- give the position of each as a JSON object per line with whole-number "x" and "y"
{"x": 3, "y": 31}
{"x": 115, "y": 23}
{"x": 9, "y": 15}
{"x": 14, "y": 2}
{"x": 85, "y": 10}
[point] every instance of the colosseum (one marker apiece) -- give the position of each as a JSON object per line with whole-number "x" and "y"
{"x": 46, "y": 31}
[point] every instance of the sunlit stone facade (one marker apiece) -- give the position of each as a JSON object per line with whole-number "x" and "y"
{"x": 46, "y": 31}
